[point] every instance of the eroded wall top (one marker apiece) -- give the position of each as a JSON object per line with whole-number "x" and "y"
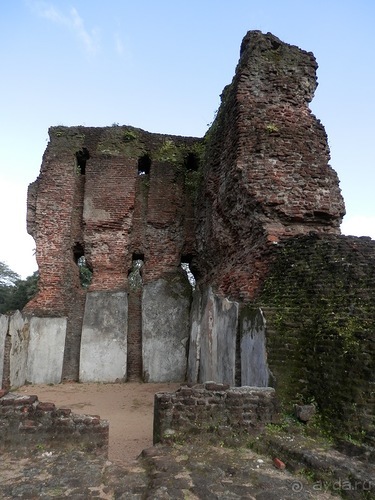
{"x": 266, "y": 174}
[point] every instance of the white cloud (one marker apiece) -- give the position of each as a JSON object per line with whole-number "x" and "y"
{"x": 89, "y": 40}
{"x": 72, "y": 20}
{"x": 118, "y": 44}
{"x": 359, "y": 225}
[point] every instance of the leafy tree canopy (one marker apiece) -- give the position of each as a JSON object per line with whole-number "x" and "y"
{"x": 7, "y": 276}
{"x": 15, "y": 293}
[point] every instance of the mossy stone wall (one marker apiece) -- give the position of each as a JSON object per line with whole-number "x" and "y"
{"x": 319, "y": 301}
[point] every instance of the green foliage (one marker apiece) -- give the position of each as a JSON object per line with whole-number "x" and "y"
{"x": 192, "y": 181}
{"x": 271, "y": 127}
{"x": 7, "y": 276}
{"x": 130, "y": 135}
{"x": 85, "y": 273}
{"x": 119, "y": 140}
{"x": 14, "y": 292}
{"x": 169, "y": 153}
{"x": 198, "y": 149}
{"x": 135, "y": 277}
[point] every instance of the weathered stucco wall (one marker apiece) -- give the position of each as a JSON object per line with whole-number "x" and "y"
{"x": 46, "y": 350}
{"x": 19, "y": 334}
{"x": 253, "y": 352}
{"x": 165, "y": 328}
{"x": 32, "y": 350}
{"x": 212, "y": 351}
{"x": 4, "y": 321}
{"x": 104, "y": 335}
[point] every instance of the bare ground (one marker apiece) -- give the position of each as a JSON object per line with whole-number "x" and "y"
{"x": 195, "y": 470}
{"x": 128, "y": 408}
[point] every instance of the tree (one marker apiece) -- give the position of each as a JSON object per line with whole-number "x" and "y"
{"x": 7, "y": 276}
{"x": 14, "y": 292}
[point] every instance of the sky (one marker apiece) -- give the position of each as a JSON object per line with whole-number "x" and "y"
{"x": 161, "y": 65}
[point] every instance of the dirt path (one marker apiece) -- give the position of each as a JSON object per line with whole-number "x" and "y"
{"x": 128, "y": 407}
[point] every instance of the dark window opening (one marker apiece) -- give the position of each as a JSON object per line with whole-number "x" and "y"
{"x": 135, "y": 273}
{"x": 144, "y": 165}
{"x": 192, "y": 162}
{"x": 186, "y": 261}
{"x": 322, "y": 215}
{"x": 138, "y": 256}
{"x": 78, "y": 252}
{"x": 82, "y": 156}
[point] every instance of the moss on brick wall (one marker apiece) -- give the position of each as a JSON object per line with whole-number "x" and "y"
{"x": 319, "y": 303}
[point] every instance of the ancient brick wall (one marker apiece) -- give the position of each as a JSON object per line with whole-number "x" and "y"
{"x": 273, "y": 304}
{"x": 27, "y": 422}
{"x": 264, "y": 176}
{"x": 109, "y": 195}
{"x": 318, "y": 303}
{"x": 266, "y": 167}
{"x": 213, "y": 408}
{"x": 109, "y": 212}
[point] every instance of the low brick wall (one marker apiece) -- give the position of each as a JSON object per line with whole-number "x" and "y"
{"x": 26, "y": 422}
{"x": 213, "y": 408}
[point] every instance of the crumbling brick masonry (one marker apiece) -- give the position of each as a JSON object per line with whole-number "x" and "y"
{"x": 253, "y": 210}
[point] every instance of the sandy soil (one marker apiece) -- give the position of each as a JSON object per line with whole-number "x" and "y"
{"x": 128, "y": 408}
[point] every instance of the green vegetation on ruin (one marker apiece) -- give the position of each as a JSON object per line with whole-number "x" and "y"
{"x": 323, "y": 326}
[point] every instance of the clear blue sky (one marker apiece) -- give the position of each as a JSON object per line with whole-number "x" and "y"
{"x": 161, "y": 65}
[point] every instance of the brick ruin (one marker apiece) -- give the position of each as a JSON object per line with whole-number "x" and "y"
{"x": 26, "y": 422}
{"x": 256, "y": 193}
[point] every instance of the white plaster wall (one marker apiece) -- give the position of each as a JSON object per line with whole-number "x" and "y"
{"x": 195, "y": 339}
{"x": 104, "y": 337}
{"x": 165, "y": 329}
{"x": 212, "y": 351}
{"x": 46, "y": 350}
{"x": 225, "y": 330}
{"x": 254, "y": 368}
{"x": 4, "y": 321}
{"x": 208, "y": 344}
{"x": 19, "y": 333}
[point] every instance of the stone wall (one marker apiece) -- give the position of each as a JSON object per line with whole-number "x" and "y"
{"x": 25, "y": 422}
{"x": 31, "y": 350}
{"x": 212, "y": 349}
{"x": 4, "y": 324}
{"x": 165, "y": 328}
{"x": 212, "y": 408}
{"x": 104, "y": 338}
{"x": 318, "y": 300}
